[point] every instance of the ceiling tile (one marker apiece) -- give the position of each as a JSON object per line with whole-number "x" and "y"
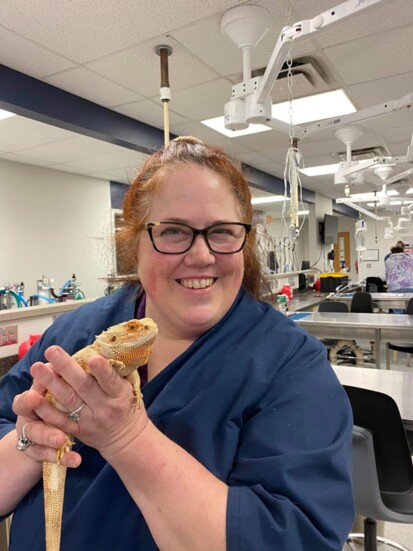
{"x": 17, "y": 158}
{"x": 232, "y": 147}
{"x": 87, "y": 30}
{"x": 26, "y": 57}
{"x": 197, "y": 130}
{"x": 150, "y": 112}
{"x": 17, "y": 133}
{"x": 89, "y": 85}
{"x": 183, "y": 68}
{"x": 203, "y": 102}
{"x": 76, "y": 148}
{"x": 373, "y": 57}
{"x": 120, "y": 159}
{"x": 205, "y": 39}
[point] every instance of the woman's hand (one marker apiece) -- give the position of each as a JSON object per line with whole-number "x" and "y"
{"x": 110, "y": 419}
{"x": 44, "y": 425}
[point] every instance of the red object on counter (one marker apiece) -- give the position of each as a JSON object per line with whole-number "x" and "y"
{"x": 28, "y": 343}
{"x": 286, "y": 290}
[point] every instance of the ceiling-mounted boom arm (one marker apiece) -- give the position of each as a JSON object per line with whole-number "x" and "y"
{"x": 392, "y": 106}
{"x": 304, "y": 30}
{"x": 250, "y": 101}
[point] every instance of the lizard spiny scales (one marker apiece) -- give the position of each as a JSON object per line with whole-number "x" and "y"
{"x": 127, "y": 346}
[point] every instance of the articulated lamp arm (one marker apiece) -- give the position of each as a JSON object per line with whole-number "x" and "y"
{"x": 250, "y": 101}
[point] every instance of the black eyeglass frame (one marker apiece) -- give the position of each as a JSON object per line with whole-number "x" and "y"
{"x": 196, "y": 231}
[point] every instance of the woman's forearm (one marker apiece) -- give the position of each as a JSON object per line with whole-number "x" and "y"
{"x": 182, "y": 502}
{"x": 18, "y": 473}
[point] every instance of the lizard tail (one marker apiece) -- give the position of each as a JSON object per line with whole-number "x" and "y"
{"x": 54, "y": 477}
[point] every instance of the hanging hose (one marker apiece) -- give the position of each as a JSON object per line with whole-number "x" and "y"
{"x": 17, "y": 298}
{"x": 165, "y": 91}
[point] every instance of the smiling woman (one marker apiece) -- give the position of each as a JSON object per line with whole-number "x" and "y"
{"x": 243, "y": 441}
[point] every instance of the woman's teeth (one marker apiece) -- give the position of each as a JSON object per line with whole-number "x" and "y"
{"x": 197, "y": 283}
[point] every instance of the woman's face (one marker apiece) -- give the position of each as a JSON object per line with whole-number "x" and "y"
{"x": 199, "y": 197}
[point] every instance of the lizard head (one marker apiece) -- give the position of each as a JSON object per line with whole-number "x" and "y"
{"x": 130, "y": 341}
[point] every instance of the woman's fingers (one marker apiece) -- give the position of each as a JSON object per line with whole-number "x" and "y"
{"x": 107, "y": 378}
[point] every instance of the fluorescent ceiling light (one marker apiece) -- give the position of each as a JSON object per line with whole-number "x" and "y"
{"x": 272, "y": 199}
{"x": 314, "y": 108}
{"x": 6, "y": 114}
{"x": 320, "y": 170}
{"x": 409, "y": 191}
{"x": 218, "y": 125}
{"x": 370, "y": 196}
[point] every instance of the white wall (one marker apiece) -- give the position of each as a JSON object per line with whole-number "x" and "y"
{"x": 54, "y": 223}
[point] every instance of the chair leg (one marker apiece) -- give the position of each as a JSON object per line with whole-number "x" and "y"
{"x": 387, "y": 356}
{"x": 371, "y": 539}
{"x": 370, "y": 533}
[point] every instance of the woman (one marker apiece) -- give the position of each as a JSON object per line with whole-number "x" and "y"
{"x": 399, "y": 270}
{"x": 244, "y": 441}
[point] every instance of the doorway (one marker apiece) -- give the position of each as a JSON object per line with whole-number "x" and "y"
{"x": 342, "y": 251}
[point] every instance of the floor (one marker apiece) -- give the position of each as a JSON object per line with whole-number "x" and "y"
{"x": 399, "y": 533}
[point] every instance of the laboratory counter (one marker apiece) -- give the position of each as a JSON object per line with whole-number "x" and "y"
{"x": 306, "y": 300}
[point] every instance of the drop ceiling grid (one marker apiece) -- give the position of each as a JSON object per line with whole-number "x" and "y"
{"x": 83, "y": 31}
{"x": 151, "y": 112}
{"x": 28, "y": 57}
{"x": 19, "y": 133}
{"x": 373, "y": 57}
{"x": 384, "y": 89}
{"x": 138, "y": 68}
{"x": 87, "y": 84}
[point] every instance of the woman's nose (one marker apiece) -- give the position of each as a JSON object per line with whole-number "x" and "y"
{"x": 200, "y": 250}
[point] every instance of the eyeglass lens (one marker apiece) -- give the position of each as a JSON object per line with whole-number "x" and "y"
{"x": 177, "y": 238}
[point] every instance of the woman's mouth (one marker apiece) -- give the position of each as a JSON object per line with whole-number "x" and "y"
{"x": 202, "y": 283}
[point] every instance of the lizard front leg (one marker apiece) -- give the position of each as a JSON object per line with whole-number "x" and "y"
{"x": 133, "y": 378}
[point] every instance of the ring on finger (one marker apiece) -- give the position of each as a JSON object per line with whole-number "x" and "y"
{"x": 23, "y": 442}
{"x": 75, "y": 415}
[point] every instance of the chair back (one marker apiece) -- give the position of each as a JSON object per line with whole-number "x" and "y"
{"x": 361, "y": 303}
{"x": 375, "y": 285}
{"x": 333, "y": 306}
{"x": 409, "y": 307}
{"x": 379, "y": 414}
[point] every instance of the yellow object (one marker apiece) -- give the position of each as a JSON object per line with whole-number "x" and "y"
{"x": 332, "y": 274}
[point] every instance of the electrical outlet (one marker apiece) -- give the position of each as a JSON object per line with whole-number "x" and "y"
{"x": 8, "y": 335}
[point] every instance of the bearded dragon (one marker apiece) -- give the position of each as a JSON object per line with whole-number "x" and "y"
{"x": 127, "y": 346}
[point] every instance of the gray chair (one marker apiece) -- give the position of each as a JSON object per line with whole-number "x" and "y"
{"x": 362, "y": 303}
{"x": 382, "y": 465}
{"x": 341, "y": 351}
{"x": 401, "y": 346}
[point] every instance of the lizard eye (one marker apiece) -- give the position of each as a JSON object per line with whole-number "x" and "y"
{"x": 114, "y": 338}
{"x": 132, "y": 326}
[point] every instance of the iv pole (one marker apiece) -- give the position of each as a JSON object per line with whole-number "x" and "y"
{"x": 165, "y": 90}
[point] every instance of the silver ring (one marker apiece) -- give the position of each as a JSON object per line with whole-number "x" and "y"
{"x": 75, "y": 415}
{"x": 23, "y": 442}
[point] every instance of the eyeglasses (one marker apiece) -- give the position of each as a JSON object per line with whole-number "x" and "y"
{"x": 176, "y": 238}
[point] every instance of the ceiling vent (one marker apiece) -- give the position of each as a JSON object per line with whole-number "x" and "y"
{"x": 307, "y": 80}
{"x": 363, "y": 154}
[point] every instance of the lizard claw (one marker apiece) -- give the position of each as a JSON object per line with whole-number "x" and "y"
{"x": 67, "y": 446}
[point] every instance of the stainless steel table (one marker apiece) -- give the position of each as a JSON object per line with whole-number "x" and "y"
{"x": 380, "y": 300}
{"x": 345, "y": 325}
{"x": 397, "y": 384}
